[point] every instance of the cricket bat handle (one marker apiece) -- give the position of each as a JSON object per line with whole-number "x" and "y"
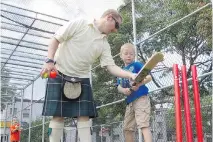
{"x": 134, "y": 84}
{"x": 131, "y": 87}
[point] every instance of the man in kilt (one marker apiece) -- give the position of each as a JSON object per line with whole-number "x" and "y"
{"x": 71, "y": 52}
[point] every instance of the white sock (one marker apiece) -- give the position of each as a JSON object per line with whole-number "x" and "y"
{"x": 84, "y": 131}
{"x": 56, "y": 130}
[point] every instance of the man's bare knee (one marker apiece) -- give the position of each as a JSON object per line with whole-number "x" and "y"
{"x": 83, "y": 118}
{"x": 59, "y": 119}
{"x": 128, "y": 132}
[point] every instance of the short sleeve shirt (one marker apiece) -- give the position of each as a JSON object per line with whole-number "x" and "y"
{"x": 81, "y": 44}
{"x": 134, "y": 67}
{"x": 14, "y": 136}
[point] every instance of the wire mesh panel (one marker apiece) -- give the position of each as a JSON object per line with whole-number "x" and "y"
{"x": 180, "y": 30}
{"x": 174, "y": 31}
{"x": 25, "y": 37}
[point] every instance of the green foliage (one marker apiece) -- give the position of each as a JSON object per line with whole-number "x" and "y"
{"x": 36, "y": 132}
{"x": 191, "y": 39}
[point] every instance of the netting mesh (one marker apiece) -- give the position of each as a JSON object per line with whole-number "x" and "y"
{"x": 180, "y": 30}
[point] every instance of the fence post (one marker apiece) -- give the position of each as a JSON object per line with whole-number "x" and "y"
{"x": 5, "y": 123}
{"x": 31, "y": 110}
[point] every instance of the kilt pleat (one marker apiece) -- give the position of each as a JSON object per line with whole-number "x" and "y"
{"x": 56, "y": 103}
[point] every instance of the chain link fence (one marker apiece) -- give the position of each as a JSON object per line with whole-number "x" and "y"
{"x": 180, "y": 30}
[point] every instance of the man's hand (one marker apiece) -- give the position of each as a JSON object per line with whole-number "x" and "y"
{"x": 132, "y": 77}
{"x": 47, "y": 68}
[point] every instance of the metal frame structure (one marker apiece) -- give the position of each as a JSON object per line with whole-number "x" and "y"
{"x": 24, "y": 41}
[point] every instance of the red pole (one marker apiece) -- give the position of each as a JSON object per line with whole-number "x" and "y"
{"x": 198, "y": 114}
{"x": 186, "y": 105}
{"x": 177, "y": 104}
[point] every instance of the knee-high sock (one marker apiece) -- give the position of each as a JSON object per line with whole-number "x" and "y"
{"x": 55, "y": 130}
{"x": 84, "y": 131}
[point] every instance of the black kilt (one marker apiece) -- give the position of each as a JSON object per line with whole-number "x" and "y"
{"x": 56, "y": 104}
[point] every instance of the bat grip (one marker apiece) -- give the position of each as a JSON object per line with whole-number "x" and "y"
{"x": 134, "y": 84}
{"x": 131, "y": 87}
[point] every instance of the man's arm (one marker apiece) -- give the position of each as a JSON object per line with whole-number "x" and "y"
{"x": 13, "y": 130}
{"x": 146, "y": 80}
{"x": 117, "y": 71}
{"x": 52, "y": 48}
{"x": 125, "y": 91}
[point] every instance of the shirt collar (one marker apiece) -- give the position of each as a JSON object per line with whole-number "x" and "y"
{"x": 92, "y": 24}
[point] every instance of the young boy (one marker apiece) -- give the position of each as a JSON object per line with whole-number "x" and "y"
{"x": 138, "y": 110}
{"x": 15, "y": 131}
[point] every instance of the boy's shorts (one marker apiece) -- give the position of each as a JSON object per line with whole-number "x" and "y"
{"x": 137, "y": 113}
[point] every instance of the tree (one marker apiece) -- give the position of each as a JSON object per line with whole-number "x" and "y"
{"x": 189, "y": 39}
{"x": 36, "y": 132}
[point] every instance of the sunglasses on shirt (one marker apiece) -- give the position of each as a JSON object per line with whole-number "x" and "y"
{"x": 117, "y": 26}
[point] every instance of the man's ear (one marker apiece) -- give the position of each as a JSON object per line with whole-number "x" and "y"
{"x": 109, "y": 17}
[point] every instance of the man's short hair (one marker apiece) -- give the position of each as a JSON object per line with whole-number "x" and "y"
{"x": 113, "y": 12}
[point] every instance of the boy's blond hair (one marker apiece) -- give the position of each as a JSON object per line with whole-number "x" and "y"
{"x": 127, "y": 45}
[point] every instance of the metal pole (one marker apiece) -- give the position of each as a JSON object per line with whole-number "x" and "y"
{"x": 21, "y": 111}
{"x": 43, "y": 117}
{"x": 101, "y": 134}
{"x": 134, "y": 30}
{"x": 5, "y": 119}
{"x": 22, "y": 98}
{"x": 177, "y": 104}
{"x": 136, "y": 52}
{"x": 186, "y": 105}
{"x": 153, "y": 128}
{"x": 198, "y": 113}
{"x": 13, "y": 108}
{"x": 43, "y": 127}
{"x": 31, "y": 110}
{"x": 5, "y": 122}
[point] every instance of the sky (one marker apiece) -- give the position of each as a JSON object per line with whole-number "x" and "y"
{"x": 68, "y": 8}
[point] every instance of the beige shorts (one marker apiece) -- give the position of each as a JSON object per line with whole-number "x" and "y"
{"x": 137, "y": 113}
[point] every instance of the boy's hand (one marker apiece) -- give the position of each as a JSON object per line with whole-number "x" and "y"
{"x": 16, "y": 127}
{"x": 135, "y": 87}
{"x": 126, "y": 91}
